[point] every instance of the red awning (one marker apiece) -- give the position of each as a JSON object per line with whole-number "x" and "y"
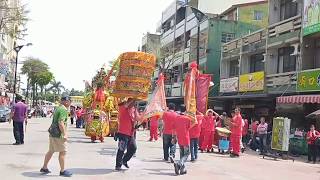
{"x": 299, "y": 99}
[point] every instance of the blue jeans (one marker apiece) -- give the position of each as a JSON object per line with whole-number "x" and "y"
{"x": 168, "y": 147}
{"x": 126, "y": 143}
{"x": 184, "y": 154}
{"x": 194, "y": 144}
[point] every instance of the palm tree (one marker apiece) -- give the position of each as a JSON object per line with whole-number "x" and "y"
{"x": 56, "y": 87}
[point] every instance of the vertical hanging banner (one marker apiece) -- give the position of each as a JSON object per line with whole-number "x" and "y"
{"x": 190, "y": 93}
{"x": 157, "y": 103}
{"x": 203, "y": 83}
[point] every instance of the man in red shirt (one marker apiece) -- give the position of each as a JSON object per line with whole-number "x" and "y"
{"x": 202, "y": 133}
{"x": 182, "y": 126}
{"x": 236, "y": 132}
{"x": 194, "y": 133}
{"x": 168, "y": 118}
{"x": 209, "y": 130}
{"x": 127, "y": 117}
{"x": 154, "y": 123}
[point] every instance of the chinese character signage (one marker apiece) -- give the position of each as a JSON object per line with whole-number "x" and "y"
{"x": 229, "y": 85}
{"x": 251, "y": 82}
{"x": 309, "y": 81}
{"x": 280, "y": 134}
{"x": 311, "y": 17}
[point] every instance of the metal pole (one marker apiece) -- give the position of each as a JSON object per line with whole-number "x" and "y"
{"x": 198, "y": 45}
{"x": 15, "y": 78}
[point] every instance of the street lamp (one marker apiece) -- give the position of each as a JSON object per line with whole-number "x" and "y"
{"x": 200, "y": 17}
{"x": 17, "y": 49}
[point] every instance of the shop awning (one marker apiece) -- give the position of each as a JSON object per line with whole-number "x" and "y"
{"x": 298, "y": 99}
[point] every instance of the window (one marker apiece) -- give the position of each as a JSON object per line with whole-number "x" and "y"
{"x": 256, "y": 63}
{"x": 234, "y": 68}
{"x": 286, "y": 60}
{"x": 257, "y": 15}
{"x": 288, "y": 9}
{"x": 227, "y": 37}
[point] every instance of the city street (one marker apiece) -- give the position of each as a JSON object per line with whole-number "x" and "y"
{"x": 97, "y": 160}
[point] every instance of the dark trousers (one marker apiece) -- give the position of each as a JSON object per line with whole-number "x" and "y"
{"x": 184, "y": 154}
{"x": 71, "y": 120}
{"x": 18, "y": 132}
{"x": 79, "y": 123}
{"x": 194, "y": 143}
{"x": 312, "y": 152}
{"x": 168, "y": 146}
{"x": 263, "y": 143}
{"x": 126, "y": 143}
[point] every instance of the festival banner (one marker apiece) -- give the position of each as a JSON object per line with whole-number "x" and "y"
{"x": 311, "y": 17}
{"x": 190, "y": 93}
{"x": 157, "y": 102}
{"x": 203, "y": 83}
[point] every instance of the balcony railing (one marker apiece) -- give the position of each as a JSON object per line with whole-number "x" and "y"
{"x": 288, "y": 25}
{"x": 282, "y": 82}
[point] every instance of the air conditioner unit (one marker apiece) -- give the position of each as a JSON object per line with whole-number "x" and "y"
{"x": 296, "y": 49}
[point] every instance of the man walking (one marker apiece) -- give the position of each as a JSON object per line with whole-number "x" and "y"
{"x": 194, "y": 137}
{"x": 182, "y": 126}
{"x": 127, "y": 117}
{"x": 58, "y": 138}
{"x": 19, "y": 116}
{"x": 168, "y": 132}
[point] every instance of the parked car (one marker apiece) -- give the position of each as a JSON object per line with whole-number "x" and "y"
{"x": 4, "y": 114}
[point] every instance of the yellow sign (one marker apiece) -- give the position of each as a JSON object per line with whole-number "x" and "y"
{"x": 251, "y": 82}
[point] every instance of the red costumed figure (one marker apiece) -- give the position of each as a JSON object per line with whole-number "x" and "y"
{"x": 236, "y": 132}
{"x": 154, "y": 128}
{"x": 210, "y": 121}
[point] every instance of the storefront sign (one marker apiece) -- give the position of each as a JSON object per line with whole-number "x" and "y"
{"x": 311, "y": 22}
{"x": 280, "y": 134}
{"x": 229, "y": 85}
{"x": 309, "y": 81}
{"x": 251, "y": 82}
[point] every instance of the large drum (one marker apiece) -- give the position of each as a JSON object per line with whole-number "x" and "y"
{"x": 134, "y": 77}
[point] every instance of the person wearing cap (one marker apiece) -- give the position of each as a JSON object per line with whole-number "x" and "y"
{"x": 19, "y": 116}
{"x": 58, "y": 137}
{"x": 128, "y": 116}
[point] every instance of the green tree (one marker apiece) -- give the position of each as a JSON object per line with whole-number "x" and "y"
{"x": 56, "y": 87}
{"x": 43, "y": 79}
{"x": 33, "y": 67}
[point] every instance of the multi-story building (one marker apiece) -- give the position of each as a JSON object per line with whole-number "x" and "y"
{"x": 179, "y": 40}
{"x": 275, "y": 71}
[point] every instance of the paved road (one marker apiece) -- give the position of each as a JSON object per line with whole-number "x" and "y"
{"x": 95, "y": 161}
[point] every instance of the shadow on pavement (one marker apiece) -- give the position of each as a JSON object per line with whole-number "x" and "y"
{"x": 37, "y": 174}
{"x": 108, "y": 151}
{"x": 86, "y": 171}
{"x": 153, "y": 160}
{"x": 160, "y": 172}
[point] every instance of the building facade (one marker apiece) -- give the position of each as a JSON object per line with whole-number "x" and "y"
{"x": 275, "y": 71}
{"x": 178, "y": 40}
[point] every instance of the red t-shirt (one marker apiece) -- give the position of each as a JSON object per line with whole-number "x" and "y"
{"x": 312, "y": 137}
{"x": 196, "y": 129}
{"x": 204, "y": 123}
{"x": 254, "y": 127}
{"x": 237, "y": 128}
{"x": 210, "y": 123}
{"x": 126, "y": 120}
{"x": 154, "y": 121}
{"x": 168, "y": 121}
{"x": 182, "y": 126}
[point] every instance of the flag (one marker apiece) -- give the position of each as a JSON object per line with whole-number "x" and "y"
{"x": 190, "y": 93}
{"x": 203, "y": 84}
{"x": 199, "y": 15}
{"x": 157, "y": 103}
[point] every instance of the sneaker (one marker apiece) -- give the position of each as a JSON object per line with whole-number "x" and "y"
{"x": 176, "y": 168}
{"x": 45, "y": 171}
{"x": 126, "y": 165}
{"x": 16, "y": 143}
{"x": 183, "y": 170}
{"x": 66, "y": 173}
{"x": 118, "y": 168}
{"x": 192, "y": 160}
{"x": 171, "y": 159}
